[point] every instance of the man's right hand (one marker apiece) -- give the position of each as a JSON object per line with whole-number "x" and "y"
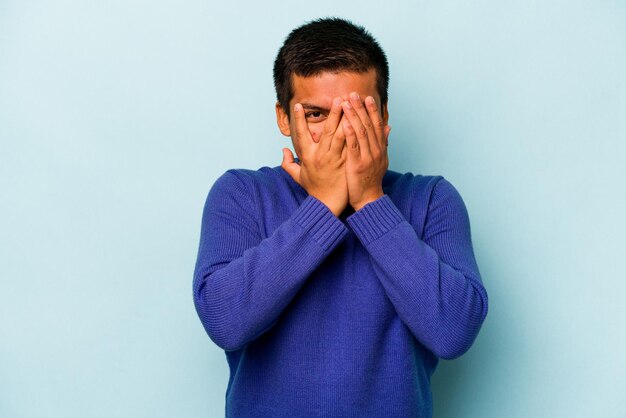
{"x": 321, "y": 171}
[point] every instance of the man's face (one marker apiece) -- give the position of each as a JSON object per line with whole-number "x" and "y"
{"x": 316, "y": 95}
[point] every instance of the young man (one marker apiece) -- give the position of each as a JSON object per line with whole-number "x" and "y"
{"x": 333, "y": 284}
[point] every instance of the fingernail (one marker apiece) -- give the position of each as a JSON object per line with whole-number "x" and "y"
{"x": 297, "y": 107}
{"x": 369, "y": 100}
{"x": 337, "y": 101}
{"x": 354, "y": 95}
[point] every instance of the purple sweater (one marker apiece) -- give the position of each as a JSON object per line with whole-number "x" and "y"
{"x": 324, "y": 316}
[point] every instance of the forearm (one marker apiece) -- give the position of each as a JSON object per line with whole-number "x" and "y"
{"x": 443, "y": 306}
{"x": 241, "y": 299}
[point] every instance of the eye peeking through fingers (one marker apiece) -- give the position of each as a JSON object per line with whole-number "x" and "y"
{"x": 314, "y": 116}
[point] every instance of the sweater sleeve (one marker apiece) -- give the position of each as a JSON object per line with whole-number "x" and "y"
{"x": 242, "y": 281}
{"x": 434, "y": 283}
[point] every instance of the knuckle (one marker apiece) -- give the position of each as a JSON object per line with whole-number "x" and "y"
{"x": 362, "y": 131}
{"x": 299, "y": 131}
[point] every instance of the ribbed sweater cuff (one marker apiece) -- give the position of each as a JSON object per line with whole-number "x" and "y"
{"x": 320, "y": 223}
{"x": 375, "y": 219}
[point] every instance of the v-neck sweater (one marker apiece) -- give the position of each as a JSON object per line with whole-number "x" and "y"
{"x": 326, "y": 316}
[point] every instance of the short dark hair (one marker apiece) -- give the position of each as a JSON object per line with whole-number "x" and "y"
{"x": 328, "y": 44}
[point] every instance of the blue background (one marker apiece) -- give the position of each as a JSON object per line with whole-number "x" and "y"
{"x": 116, "y": 117}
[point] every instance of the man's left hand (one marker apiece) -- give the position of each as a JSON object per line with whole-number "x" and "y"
{"x": 366, "y": 140}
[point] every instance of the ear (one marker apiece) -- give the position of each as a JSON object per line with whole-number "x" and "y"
{"x": 282, "y": 120}
{"x": 385, "y": 114}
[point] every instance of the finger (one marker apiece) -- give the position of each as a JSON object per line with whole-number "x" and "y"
{"x": 303, "y": 136}
{"x": 362, "y": 112}
{"x": 352, "y": 143}
{"x": 332, "y": 123}
{"x": 357, "y": 129}
{"x": 339, "y": 139}
{"x": 290, "y": 166}
{"x": 376, "y": 118}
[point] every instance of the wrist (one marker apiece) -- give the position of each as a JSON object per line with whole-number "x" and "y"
{"x": 336, "y": 206}
{"x": 371, "y": 197}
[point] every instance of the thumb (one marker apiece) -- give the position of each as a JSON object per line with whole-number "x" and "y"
{"x": 289, "y": 165}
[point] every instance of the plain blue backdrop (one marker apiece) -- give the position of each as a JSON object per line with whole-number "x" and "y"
{"x": 117, "y": 116}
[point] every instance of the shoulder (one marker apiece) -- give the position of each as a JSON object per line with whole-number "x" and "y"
{"x": 259, "y": 184}
{"x": 445, "y": 192}
{"x": 425, "y": 185}
{"x": 446, "y": 205}
{"x": 408, "y": 182}
{"x": 411, "y": 189}
{"x": 417, "y": 195}
{"x": 268, "y": 195}
{"x": 249, "y": 178}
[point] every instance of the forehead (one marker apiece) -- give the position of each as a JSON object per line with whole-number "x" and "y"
{"x": 321, "y": 89}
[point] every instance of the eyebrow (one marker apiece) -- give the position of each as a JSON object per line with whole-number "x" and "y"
{"x": 309, "y": 106}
